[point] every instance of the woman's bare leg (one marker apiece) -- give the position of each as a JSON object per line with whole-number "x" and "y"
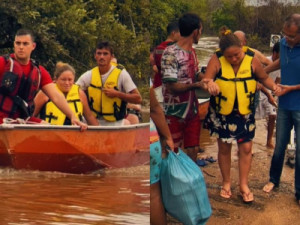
{"x": 245, "y": 159}
{"x": 157, "y": 210}
{"x": 224, "y": 159}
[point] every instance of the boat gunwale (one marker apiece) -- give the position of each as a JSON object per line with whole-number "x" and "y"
{"x": 69, "y": 127}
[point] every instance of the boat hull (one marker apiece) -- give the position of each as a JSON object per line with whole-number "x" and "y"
{"x": 66, "y": 149}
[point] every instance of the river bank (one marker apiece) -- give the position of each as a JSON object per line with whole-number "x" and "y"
{"x": 277, "y": 208}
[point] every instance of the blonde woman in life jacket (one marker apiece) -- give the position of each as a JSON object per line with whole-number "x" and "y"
{"x": 230, "y": 78}
{"x": 64, "y": 76}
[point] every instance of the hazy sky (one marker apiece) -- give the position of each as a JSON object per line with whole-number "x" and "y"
{"x": 258, "y": 2}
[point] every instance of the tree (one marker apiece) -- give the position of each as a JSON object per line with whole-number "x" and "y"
{"x": 163, "y": 12}
{"x": 68, "y": 30}
{"x": 231, "y": 13}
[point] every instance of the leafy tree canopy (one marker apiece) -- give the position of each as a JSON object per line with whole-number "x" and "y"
{"x": 68, "y": 30}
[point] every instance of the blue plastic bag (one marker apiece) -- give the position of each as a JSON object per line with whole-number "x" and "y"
{"x": 184, "y": 190}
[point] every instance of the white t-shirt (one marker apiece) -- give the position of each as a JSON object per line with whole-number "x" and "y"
{"x": 125, "y": 82}
{"x": 274, "y": 74}
{"x": 125, "y": 85}
{"x": 265, "y": 108}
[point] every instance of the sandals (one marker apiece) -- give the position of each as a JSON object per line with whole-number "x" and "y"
{"x": 225, "y": 193}
{"x": 211, "y": 159}
{"x": 268, "y": 187}
{"x": 201, "y": 150}
{"x": 247, "y": 197}
{"x": 201, "y": 162}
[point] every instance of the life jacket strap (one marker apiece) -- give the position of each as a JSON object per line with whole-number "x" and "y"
{"x": 94, "y": 86}
{"x": 235, "y": 79}
{"x": 221, "y": 98}
{"x": 50, "y": 117}
{"x": 251, "y": 97}
{"x": 91, "y": 101}
{"x": 74, "y": 102}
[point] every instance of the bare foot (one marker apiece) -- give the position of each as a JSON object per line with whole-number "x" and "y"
{"x": 268, "y": 187}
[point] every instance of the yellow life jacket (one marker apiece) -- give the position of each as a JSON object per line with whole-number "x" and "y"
{"x": 112, "y": 109}
{"x": 54, "y": 116}
{"x": 113, "y": 63}
{"x": 239, "y": 88}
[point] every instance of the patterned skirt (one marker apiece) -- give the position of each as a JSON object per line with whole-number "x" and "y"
{"x": 232, "y": 127}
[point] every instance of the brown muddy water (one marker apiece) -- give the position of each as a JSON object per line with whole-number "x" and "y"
{"x": 119, "y": 196}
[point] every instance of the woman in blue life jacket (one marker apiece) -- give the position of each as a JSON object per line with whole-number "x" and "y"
{"x": 64, "y": 76}
{"x": 230, "y": 78}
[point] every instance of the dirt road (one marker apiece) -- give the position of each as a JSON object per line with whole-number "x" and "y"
{"x": 276, "y": 208}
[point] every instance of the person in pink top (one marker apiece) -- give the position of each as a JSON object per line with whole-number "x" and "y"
{"x": 173, "y": 36}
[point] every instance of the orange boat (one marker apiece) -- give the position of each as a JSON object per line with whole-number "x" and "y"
{"x": 66, "y": 149}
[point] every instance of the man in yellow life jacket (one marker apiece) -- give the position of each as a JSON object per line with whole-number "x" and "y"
{"x": 109, "y": 88}
{"x": 133, "y": 112}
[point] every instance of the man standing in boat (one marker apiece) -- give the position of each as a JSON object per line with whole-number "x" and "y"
{"x": 109, "y": 88}
{"x": 179, "y": 66}
{"x": 21, "y": 77}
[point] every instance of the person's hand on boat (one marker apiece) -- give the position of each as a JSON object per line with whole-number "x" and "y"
{"x": 82, "y": 125}
{"x": 111, "y": 92}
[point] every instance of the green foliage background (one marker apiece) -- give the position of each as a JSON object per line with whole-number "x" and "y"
{"x": 68, "y": 30}
{"x": 258, "y": 22}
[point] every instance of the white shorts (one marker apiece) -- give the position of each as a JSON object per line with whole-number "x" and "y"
{"x": 264, "y": 108}
{"x": 158, "y": 94}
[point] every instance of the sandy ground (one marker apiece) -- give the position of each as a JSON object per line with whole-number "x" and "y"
{"x": 277, "y": 208}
